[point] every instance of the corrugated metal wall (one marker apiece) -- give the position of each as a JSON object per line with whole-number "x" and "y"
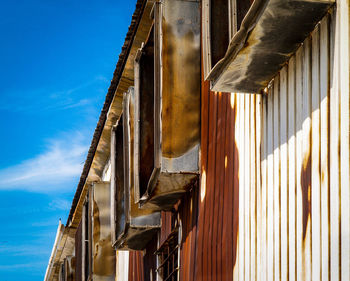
{"x": 122, "y": 265}
{"x": 217, "y": 228}
{"x": 136, "y": 266}
{"x": 143, "y": 264}
{"x": 294, "y": 196}
{"x": 273, "y": 202}
{"x": 188, "y": 214}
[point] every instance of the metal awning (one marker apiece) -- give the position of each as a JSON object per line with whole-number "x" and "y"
{"x": 270, "y": 33}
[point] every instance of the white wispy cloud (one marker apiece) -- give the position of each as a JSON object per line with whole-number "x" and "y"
{"x": 59, "y": 204}
{"x": 61, "y": 162}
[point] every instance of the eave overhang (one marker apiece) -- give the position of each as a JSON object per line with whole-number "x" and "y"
{"x": 63, "y": 247}
{"x": 270, "y": 33}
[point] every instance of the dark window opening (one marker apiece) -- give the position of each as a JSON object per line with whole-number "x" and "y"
{"x": 119, "y": 180}
{"x": 219, "y": 29}
{"x": 146, "y": 102}
{"x": 168, "y": 258}
{"x": 242, "y": 9}
{"x": 220, "y": 20}
{"x": 63, "y": 272}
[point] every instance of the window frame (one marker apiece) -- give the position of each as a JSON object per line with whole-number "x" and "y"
{"x": 232, "y": 22}
{"x": 170, "y": 27}
{"x": 117, "y": 138}
{"x": 174, "y": 236}
{"x": 86, "y": 240}
{"x": 139, "y": 225}
{"x": 138, "y": 71}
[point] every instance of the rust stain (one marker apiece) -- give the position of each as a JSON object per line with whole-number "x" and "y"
{"x": 181, "y": 93}
{"x": 306, "y": 191}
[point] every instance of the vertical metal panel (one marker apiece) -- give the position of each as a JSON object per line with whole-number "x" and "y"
{"x": 315, "y": 158}
{"x": 263, "y": 258}
{"x": 270, "y": 186}
{"x": 324, "y": 143}
{"x": 236, "y": 196}
{"x": 283, "y": 119}
{"x": 344, "y": 10}
{"x": 334, "y": 149}
{"x": 259, "y": 184}
{"x": 122, "y": 265}
{"x": 241, "y": 227}
{"x": 252, "y": 199}
{"x": 276, "y": 177}
{"x": 306, "y": 163}
{"x": 298, "y": 135}
{"x": 291, "y": 171}
{"x": 247, "y": 187}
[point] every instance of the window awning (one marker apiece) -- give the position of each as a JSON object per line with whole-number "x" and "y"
{"x": 270, "y": 33}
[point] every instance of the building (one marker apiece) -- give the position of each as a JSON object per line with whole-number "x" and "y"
{"x": 222, "y": 149}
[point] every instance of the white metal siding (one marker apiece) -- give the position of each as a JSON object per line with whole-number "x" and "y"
{"x": 294, "y": 173}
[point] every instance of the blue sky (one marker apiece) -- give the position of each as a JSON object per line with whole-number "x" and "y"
{"x": 57, "y": 58}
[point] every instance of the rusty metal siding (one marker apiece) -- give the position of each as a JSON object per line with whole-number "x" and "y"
{"x": 218, "y": 205}
{"x": 188, "y": 214}
{"x": 136, "y": 266}
{"x": 143, "y": 264}
{"x": 166, "y": 228}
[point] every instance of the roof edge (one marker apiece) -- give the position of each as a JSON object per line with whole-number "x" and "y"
{"x": 135, "y": 20}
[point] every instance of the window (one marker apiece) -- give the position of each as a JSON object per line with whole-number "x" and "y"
{"x": 144, "y": 114}
{"x": 67, "y": 269}
{"x": 117, "y": 182}
{"x": 132, "y": 227}
{"x": 102, "y": 254}
{"x": 263, "y": 35}
{"x": 168, "y": 257}
{"x": 86, "y": 241}
{"x": 167, "y": 105}
{"x": 221, "y": 20}
{"x": 62, "y": 274}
